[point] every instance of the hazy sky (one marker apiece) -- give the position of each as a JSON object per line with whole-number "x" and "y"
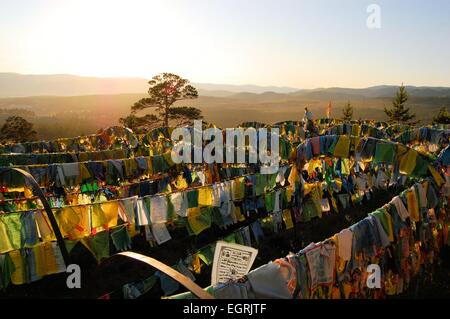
{"x": 296, "y": 43}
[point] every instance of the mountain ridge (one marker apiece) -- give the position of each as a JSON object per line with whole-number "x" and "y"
{"x": 24, "y": 85}
{"x": 27, "y": 85}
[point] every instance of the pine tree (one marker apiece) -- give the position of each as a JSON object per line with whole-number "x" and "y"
{"x": 347, "y": 112}
{"x": 16, "y": 129}
{"x": 165, "y": 90}
{"x": 443, "y": 117}
{"x": 399, "y": 113}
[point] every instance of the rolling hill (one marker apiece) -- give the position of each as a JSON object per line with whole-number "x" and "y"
{"x": 67, "y": 116}
{"x": 21, "y": 85}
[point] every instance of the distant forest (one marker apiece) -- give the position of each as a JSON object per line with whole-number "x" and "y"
{"x": 17, "y": 111}
{"x": 55, "y": 116}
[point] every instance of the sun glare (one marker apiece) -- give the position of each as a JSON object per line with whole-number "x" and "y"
{"x": 107, "y": 38}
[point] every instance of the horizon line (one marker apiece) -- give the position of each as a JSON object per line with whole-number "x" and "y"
{"x": 222, "y": 83}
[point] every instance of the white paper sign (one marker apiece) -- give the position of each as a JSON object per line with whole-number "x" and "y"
{"x": 231, "y": 261}
{"x": 160, "y": 233}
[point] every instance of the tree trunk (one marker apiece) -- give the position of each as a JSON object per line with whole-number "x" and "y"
{"x": 166, "y": 116}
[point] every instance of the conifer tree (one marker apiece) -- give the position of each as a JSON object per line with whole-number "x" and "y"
{"x": 443, "y": 117}
{"x": 399, "y": 113}
{"x": 347, "y": 112}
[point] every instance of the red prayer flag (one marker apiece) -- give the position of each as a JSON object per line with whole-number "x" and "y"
{"x": 329, "y": 110}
